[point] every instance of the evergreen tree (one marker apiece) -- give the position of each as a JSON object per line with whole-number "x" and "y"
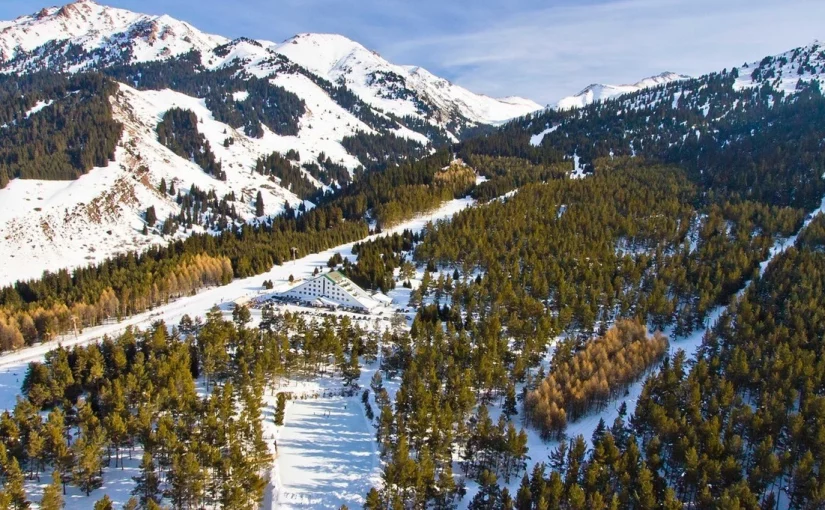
{"x": 147, "y": 484}
{"x": 13, "y": 486}
{"x": 185, "y": 481}
{"x": 151, "y": 217}
{"x": 53, "y": 494}
{"x": 88, "y": 464}
{"x": 105, "y": 503}
{"x": 373, "y": 501}
{"x": 259, "y": 204}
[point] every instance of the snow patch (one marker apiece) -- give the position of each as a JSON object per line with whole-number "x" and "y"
{"x": 536, "y": 139}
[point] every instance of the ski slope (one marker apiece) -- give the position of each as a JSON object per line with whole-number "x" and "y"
{"x": 326, "y": 454}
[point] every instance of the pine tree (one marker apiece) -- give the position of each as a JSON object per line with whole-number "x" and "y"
{"x": 5, "y": 498}
{"x": 489, "y": 495}
{"x": 241, "y": 316}
{"x": 88, "y": 464}
{"x": 147, "y": 484}
{"x": 53, "y": 494}
{"x": 645, "y": 492}
{"x": 446, "y": 486}
{"x": 162, "y": 186}
{"x": 280, "y": 409}
{"x": 599, "y": 431}
{"x": 510, "y": 406}
{"x": 13, "y": 486}
{"x": 259, "y": 204}
{"x": 185, "y": 480}
{"x": 105, "y": 503}
{"x": 524, "y": 497}
{"x": 373, "y": 501}
{"x": 35, "y": 451}
{"x": 151, "y": 216}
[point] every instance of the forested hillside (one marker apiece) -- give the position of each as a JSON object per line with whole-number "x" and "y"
{"x": 600, "y": 239}
{"x": 55, "y": 127}
{"x": 130, "y": 283}
{"x": 682, "y": 192}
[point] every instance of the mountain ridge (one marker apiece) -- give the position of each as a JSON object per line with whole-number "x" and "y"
{"x": 118, "y": 36}
{"x": 596, "y": 92}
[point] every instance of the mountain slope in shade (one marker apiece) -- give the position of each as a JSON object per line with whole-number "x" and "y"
{"x": 600, "y": 92}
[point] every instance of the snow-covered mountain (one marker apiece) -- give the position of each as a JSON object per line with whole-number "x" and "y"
{"x": 85, "y": 35}
{"x": 599, "y": 92}
{"x": 403, "y": 90}
{"x": 784, "y": 71}
{"x": 106, "y": 34}
{"x": 341, "y": 90}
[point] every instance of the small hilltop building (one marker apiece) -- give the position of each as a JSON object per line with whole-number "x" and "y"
{"x": 335, "y": 289}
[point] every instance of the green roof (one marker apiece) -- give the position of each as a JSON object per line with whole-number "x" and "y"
{"x": 335, "y": 277}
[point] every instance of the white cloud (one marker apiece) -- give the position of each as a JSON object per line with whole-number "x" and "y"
{"x": 549, "y": 53}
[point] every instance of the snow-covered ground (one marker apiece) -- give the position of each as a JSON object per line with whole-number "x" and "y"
{"x": 326, "y": 455}
{"x": 67, "y": 224}
{"x": 536, "y": 139}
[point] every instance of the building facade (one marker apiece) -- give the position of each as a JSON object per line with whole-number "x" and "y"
{"x": 335, "y": 289}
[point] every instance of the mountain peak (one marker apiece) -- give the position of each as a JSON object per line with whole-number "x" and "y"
{"x": 95, "y": 27}
{"x": 323, "y": 53}
{"x": 596, "y": 92}
{"x": 107, "y": 36}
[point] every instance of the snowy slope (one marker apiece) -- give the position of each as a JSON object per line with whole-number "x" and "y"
{"x": 403, "y": 90}
{"x": 106, "y": 33}
{"x": 49, "y": 225}
{"x": 71, "y": 223}
{"x": 785, "y": 70}
{"x": 600, "y": 92}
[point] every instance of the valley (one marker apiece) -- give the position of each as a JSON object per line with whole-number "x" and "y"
{"x": 611, "y": 302}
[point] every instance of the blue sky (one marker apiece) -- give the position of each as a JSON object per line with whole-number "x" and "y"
{"x": 543, "y": 50}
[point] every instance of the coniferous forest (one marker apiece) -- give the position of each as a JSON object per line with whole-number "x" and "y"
{"x": 73, "y": 133}
{"x": 631, "y": 225}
